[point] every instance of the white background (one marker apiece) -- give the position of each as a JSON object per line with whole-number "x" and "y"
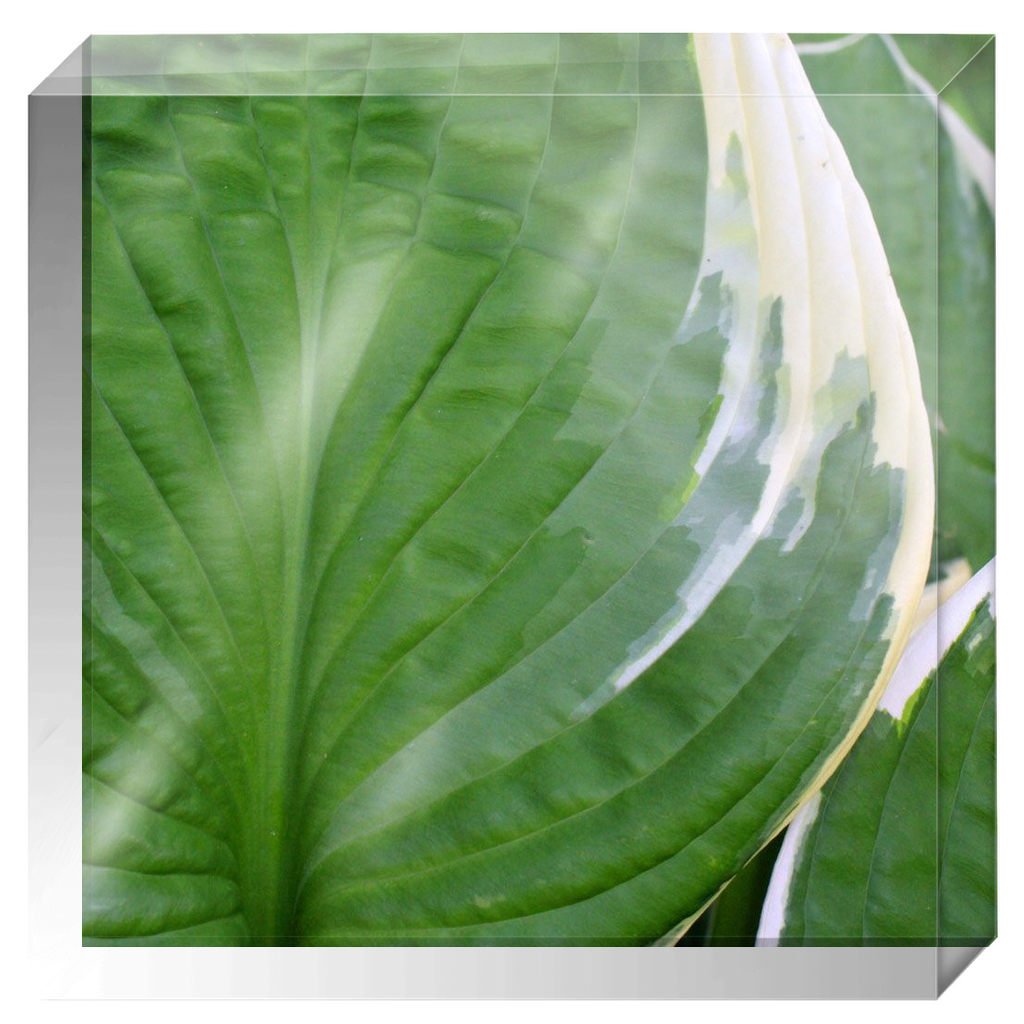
{"x": 38, "y": 36}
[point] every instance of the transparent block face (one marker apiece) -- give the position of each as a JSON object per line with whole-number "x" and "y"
{"x": 510, "y": 485}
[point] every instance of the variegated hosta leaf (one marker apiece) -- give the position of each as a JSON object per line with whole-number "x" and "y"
{"x": 930, "y": 179}
{"x": 506, "y": 501}
{"x": 899, "y": 846}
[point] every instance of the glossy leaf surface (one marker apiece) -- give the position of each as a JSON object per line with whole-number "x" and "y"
{"x": 505, "y": 503}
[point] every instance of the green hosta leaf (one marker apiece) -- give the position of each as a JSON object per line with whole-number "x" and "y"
{"x": 930, "y": 180}
{"x": 899, "y": 846}
{"x": 509, "y": 493}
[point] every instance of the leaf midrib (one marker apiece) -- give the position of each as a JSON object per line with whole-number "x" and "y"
{"x": 274, "y": 888}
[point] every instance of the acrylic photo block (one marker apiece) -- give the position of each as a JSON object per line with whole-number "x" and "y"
{"x": 536, "y": 491}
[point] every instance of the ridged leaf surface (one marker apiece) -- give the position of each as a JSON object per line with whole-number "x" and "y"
{"x": 509, "y": 487}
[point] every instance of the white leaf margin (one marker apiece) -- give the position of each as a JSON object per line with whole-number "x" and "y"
{"x": 818, "y": 218}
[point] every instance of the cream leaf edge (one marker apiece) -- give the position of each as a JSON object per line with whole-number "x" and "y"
{"x": 756, "y": 89}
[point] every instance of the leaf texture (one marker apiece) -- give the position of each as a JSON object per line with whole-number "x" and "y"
{"x": 509, "y": 488}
